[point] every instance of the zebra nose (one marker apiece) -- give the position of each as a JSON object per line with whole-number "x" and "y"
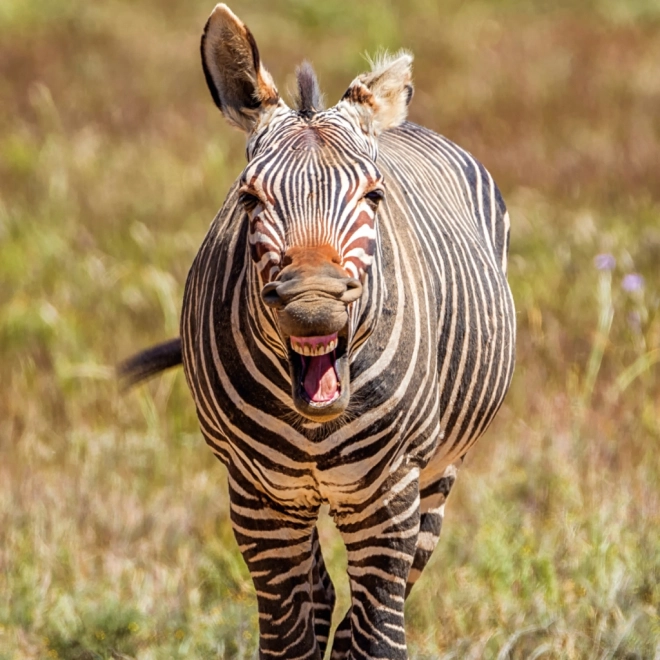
{"x": 353, "y": 291}
{"x": 277, "y": 294}
{"x": 270, "y": 296}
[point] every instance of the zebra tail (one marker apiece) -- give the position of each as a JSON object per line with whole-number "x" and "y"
{"x": 149, "y": 362}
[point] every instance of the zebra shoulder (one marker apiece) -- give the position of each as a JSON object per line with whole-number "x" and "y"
{"x": 481, "y": 192}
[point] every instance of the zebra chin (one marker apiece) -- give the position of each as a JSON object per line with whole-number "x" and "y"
{"x": 320, "y": 403}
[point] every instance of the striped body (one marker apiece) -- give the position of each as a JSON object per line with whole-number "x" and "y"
{"x": 433, "y": 356}
{"x": 440, "y": 354}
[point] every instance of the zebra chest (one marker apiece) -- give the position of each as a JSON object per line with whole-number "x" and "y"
{"x": 298, "y": 464}
{"x": 243, "y": 394}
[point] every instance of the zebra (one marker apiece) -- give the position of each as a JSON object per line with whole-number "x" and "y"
{"x": 347, "y": 334}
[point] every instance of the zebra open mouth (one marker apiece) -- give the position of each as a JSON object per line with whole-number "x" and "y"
{"x": 319, "y": 378}
{"x": 320, "y": 375}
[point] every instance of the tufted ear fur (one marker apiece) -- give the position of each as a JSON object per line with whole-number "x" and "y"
{"x": 381, "y": 97}
{"x": 241, "y": 87}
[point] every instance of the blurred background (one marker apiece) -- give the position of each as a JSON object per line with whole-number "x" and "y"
{"x": 114, "y": 537}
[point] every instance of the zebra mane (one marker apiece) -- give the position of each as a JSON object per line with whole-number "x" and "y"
{"x": 309, "y": 99}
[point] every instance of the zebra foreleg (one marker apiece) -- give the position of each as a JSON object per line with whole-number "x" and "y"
{"x": 380, "y": 538}
{"x": 323, "y": 595}
{"x": 434, "y": 490}
{"x": 277, "y": 546}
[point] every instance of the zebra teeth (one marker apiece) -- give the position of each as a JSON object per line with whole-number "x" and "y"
{"x": 314, "y": 346}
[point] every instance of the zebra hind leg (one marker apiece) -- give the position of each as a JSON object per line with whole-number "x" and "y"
{"x": 341, "y": 644}
{"x": 323, "y": 595}
{"x": 433, "y": 495}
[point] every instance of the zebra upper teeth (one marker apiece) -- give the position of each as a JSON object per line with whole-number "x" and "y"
{"x": 314, "y": 346}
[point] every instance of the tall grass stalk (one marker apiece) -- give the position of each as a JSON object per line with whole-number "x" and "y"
{"x": 598, "y": 347}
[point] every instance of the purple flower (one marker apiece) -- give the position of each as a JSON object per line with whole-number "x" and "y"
{"x": 632, "y": 282}
{"x": 605, "y": 261}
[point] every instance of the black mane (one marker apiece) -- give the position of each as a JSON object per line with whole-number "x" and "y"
{"x": 309, "y": 100}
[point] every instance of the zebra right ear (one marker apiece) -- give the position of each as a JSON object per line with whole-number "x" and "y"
{"x": 381, "y": 97}
{"x": 239, "y": 84}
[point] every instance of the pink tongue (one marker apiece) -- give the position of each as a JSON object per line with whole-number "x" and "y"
{"x": 320, "y": 379}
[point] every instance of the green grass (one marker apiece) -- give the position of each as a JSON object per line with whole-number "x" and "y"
{"x": 114, "y": 533}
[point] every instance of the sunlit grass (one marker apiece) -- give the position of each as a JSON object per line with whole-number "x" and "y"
{"x": 114, "y": 533}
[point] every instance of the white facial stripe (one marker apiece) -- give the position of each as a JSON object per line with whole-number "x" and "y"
{"x": 269, "y": 257}
{"x": 264, "y": 238}
{"x": 352, "y": 269}
{"x": 358, "y": 254}
{"x": 365, "y": 231}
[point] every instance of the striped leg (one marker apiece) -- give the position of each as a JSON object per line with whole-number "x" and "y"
{"x": 380, "y": 538}
{"x": 323, "y": 595}
{"x": 434, "y": 490}
{"x": 277, "y": 547}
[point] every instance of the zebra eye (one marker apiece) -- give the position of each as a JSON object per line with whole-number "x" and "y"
{"x": 251, "y": 203}
{"x": 374, "y": 197}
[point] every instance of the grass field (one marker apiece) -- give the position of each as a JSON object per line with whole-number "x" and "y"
{"x": 114, "y": 535}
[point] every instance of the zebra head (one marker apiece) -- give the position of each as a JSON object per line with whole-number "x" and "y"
{"x": 311, "y": 191}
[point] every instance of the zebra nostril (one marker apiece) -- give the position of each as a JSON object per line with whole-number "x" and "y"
{"x": 270, "y": 296}
{"x": 353, "y": 291}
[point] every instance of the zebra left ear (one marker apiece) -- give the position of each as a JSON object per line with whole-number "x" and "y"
{"x": 381, "y": 97}
{"x": 240, "y": 85}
